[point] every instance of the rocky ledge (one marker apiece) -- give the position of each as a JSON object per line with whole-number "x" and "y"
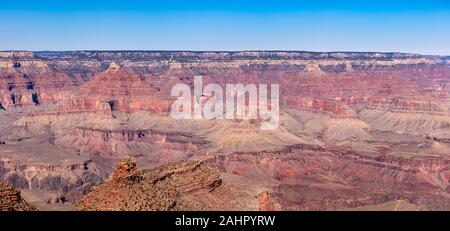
{"x": 10, "y": 199}
{"x": 187, "y": 185}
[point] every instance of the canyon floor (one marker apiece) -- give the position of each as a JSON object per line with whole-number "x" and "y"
{"x": 357, "y": 131}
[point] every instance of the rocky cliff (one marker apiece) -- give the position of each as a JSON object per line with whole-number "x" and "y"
{"x": 10, "y": 200}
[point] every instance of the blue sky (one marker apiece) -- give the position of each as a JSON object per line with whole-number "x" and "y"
{"x": 404, "y": 26}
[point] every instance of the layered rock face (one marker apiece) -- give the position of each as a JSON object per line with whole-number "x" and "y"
{"x": 113, "y": 143}
{"x": 71, "y": 181}
{"x": 356, "y": 129}
{"x": 116, "y": 90}
{"x": 181, "y": 186}
{"x": 10, "y": 200}
{"x": 314, "y": 178}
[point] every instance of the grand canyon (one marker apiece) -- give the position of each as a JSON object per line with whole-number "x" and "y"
{"x": 91, "y": 130}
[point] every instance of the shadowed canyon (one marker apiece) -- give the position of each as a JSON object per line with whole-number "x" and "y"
{"x": 357, "y": 131}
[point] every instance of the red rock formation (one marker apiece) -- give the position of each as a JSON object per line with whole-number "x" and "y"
{"x": 334, "y": 107}
{"x": 117, "y": 90}
{"x": 181, "y": 186}
{"x": 10, "y": 200}
{"x": 267, "y": 203}
{"x": 20, "y": 88}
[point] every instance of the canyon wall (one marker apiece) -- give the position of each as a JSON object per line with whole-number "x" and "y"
{"x": 356, "y": 129}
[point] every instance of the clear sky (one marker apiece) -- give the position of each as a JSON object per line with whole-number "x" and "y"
{"x": 397, "y": 25}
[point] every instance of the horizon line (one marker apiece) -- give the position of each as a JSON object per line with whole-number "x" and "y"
{"x": 230, "y": 51}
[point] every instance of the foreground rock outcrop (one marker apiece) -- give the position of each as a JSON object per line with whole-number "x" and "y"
{"x": 188, "y": 185}
{"x": 10, "y": 200}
